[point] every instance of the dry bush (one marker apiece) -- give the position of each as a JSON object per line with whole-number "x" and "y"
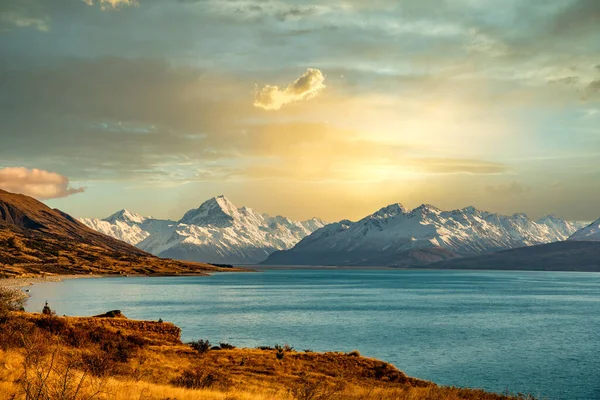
{"x": 312, "y": 387}
{"x": 202, "y": 377}
{"x": 14, "y": 332}
{"x": 201, "y": 346}
{"x": 50, "y": 375}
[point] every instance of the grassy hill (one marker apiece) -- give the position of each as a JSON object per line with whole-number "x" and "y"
{"x": 118, "y": 359}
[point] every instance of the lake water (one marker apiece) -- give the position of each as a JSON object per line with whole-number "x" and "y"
{"x": 533, "y": 332}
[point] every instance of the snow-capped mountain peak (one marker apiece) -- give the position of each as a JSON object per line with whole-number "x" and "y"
{"x": 217, "y": 211}
{"x": 392, "y": 236}
{"x": 588, "y": 233}
{"x": 390, "y": 211}
{"x": 125, "y": 215}
{"x": 217, "y": 231}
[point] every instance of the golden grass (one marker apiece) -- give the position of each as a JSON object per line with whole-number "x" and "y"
{"x": 158, "y": 363}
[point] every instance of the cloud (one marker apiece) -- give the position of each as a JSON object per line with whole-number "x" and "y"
{"x": 36, "y": 183}
{"x": 110, "y": 3}
{"x": 482, "y": 43}
{"x": 460, "y": 166}
{"x": 513, "y": 188}
{"x": 16, "y": 19}
{"x": 306, "y": 87}
{"x": 579, "y": 17}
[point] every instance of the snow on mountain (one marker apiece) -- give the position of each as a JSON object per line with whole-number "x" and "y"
{"x": 395, "y": 235}
{"x": 216, "y": 232}
{"x": 589, "y": 233}
{"x": 127, "y": 226}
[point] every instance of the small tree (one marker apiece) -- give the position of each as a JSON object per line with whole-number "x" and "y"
{"x": 280, "y": 352}
{"x": 11, "y": 300}
{"x": 47, "y": 310}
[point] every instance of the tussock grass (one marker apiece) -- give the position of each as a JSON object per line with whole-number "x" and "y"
{"x": 101, "y": 358}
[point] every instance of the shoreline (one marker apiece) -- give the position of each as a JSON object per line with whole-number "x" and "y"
{"x": 24, "y": 281}
{"x": 20, "y": 282}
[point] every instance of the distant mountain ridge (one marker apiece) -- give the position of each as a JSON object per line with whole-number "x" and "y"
{"x": 396, "y": 236}
{"x": 215, "y": 232}
{"x": 590, "y": 233}
{"x": 569, "y": 255}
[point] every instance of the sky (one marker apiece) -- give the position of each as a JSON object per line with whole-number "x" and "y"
{"x": 331, "y": 109}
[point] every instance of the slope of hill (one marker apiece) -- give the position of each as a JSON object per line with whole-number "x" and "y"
{"x": 35, "y": 239}
{"x": 397, "y": 236}
{"x": 560, "y": 256}
{"x": 217, "y": 232}
{"x": 588, "y": 233}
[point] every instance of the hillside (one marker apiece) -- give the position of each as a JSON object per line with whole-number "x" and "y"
{"x": 35, "y": 239}
{"x": 560, "y": 256}
{"x": 121, "y": 359}
{"x": 216, "y": 232}
{"x": 400, "y": 237}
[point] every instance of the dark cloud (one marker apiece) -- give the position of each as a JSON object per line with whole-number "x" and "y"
{"x": 578, "y": 17}
{"x": 295, "y": 12}
{"x": 115, "y": 116}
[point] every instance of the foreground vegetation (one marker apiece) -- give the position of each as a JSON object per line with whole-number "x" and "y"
{"x": 45, "y": 357}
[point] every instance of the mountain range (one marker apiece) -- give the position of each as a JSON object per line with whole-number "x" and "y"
{"x": 215, "y": 232}
{"x": 220, "y": 232}
{"x": 590, "y": 233}
{"x": 397, "y": 236}
{"x": 35, "y": 239}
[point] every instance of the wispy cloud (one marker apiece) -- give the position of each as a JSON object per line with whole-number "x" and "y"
{"x": 306, "y": 87}
{"x": 37, "y": 183}
{"x": 104, "y": 4}
{"x": 15, "y": 19}
{"x": 513, "y": 188}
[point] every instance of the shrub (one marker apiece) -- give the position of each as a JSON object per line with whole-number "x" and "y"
{"x": 354, "y": 353}
{"x": 47, "y": 310}
{"x": 309, "y": 387}
{"x": 200, "y": 377}
{"x": 52, "y": 324}
{"x": 226, "y": 346}
{"x": 201, "y": 346}
{"x": 54, "y": 377}
{"x": 14, "y": 331}
{"x": 280, "y": 353}
{"x": 97, "y": 362}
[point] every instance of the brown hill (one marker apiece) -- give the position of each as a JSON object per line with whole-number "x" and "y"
{"x": 37, "y": 240}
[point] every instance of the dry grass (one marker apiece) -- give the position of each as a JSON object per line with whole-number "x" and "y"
{"x": 146, "y": 360}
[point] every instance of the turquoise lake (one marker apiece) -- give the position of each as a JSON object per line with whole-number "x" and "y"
{"x": 529, "y": 332}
